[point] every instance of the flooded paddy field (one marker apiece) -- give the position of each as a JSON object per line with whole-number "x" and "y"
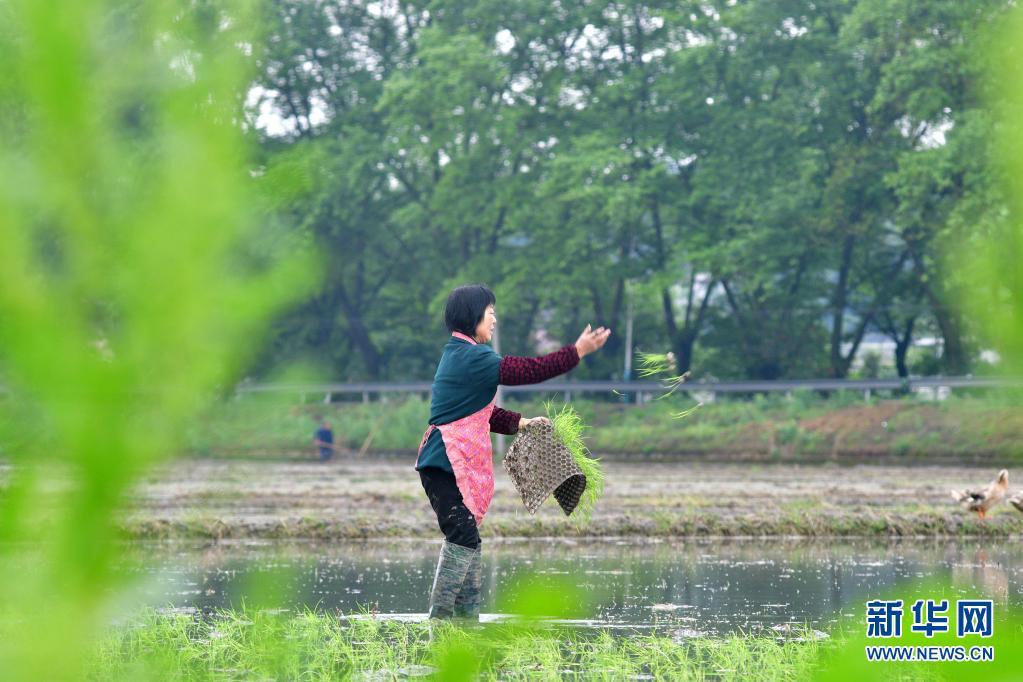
{"x": 686, "y": 569}
{"x": 373, "y": 498}
{"x": 686, "y": 589}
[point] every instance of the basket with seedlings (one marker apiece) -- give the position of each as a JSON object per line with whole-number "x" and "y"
{"x": 550, "y": 458}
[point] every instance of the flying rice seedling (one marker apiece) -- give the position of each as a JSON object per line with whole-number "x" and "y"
{"x": 652, "y": 364}
{"x": 568, "y": 429}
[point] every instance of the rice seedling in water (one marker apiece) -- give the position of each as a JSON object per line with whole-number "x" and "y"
{"x": 568, "y": 428}
{"x": 251, "y": 643}
{"x": 260, "y": 644}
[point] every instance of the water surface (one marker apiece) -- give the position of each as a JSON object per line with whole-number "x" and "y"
{"x": 692, "y": 588}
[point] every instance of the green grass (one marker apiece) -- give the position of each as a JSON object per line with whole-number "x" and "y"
{"x": 801, "y": 426}
{"x": 804, "y": 426}
{"x": 267, "y": 644}
{"x": 669, "y": 519}
{"x": 258, "y": 425}
{"x": 259, "y": 644}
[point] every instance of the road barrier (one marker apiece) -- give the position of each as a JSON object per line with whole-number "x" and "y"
{"x": 937, "y": 387}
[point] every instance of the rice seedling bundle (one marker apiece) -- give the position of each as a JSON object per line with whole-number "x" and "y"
{"x": 550, "y": 458}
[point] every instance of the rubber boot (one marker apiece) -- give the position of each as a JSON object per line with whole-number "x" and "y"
{"x": 467, "y": 603}
{"x": 452, "y": 567}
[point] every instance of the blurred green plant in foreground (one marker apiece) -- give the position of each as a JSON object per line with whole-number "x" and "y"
{"x": 135, "y": 271}
{"x": 535, "y": 642}
{"x": 993, "y": 258}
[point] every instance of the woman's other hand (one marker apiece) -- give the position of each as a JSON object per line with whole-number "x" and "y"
{"x": 591, "y": 340}
{"x": 526, "y": 422}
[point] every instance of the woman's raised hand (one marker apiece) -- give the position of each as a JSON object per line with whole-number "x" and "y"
{"x": 591, "y": 340}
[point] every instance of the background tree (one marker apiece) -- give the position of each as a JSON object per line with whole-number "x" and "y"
{"x": 771, "y": 181}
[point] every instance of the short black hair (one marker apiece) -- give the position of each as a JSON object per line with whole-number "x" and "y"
{"x": 466, "y": 306}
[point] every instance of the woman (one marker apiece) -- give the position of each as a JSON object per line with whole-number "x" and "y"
{"x": 455, "y": 461}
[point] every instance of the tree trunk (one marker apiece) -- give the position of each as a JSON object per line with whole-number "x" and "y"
{"x": 901, "y": 351}
{"x": 610, "y": 318}
{"x": 953, "y": 356}
{"x": 903, "y": 342}
{"x": 358, "y": 334}
{"x": 839, "y": 365}
{"x": 683, "y": 340}
{"x": 683, "y": 348}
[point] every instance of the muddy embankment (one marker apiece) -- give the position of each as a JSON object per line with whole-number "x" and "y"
{"x": 375, "y": 497}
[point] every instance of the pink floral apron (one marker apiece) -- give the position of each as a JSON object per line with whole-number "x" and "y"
{"x": 467, "y": 441}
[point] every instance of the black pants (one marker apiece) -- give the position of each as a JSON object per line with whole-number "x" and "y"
{"x": 454, "y": 518}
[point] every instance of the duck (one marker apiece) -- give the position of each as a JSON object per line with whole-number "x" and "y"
{"x": 982, "y": 500}
{"x": 1017, "y": 501}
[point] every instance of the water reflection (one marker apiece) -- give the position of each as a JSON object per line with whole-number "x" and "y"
{"x": 692, "y": 588}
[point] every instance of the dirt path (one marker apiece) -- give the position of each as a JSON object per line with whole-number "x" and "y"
{"x": 352, "y": 499}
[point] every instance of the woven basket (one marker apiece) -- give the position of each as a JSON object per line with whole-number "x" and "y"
{"x": 541, "y": 465}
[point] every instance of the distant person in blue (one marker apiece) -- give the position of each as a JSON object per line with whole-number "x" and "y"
{"x": 324, "y": 440}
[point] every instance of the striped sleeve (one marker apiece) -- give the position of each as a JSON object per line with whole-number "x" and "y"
{"x": 504, "y": 421}
{"x": 515, "y": 371}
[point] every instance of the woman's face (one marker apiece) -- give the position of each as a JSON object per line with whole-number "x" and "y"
{"x": 485, "y": 329}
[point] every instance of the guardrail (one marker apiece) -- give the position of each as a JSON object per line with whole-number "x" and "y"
{"x": 644, "y": 389}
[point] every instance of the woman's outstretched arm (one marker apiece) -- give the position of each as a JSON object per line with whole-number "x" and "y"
{"x": 515, "y": 371}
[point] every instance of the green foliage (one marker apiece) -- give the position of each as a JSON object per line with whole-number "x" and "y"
{"x": 871, "y": 368}
{"x": 136, "y": 270}
{"x": 761, "y": 193}
{"x": 992, "y": 256}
